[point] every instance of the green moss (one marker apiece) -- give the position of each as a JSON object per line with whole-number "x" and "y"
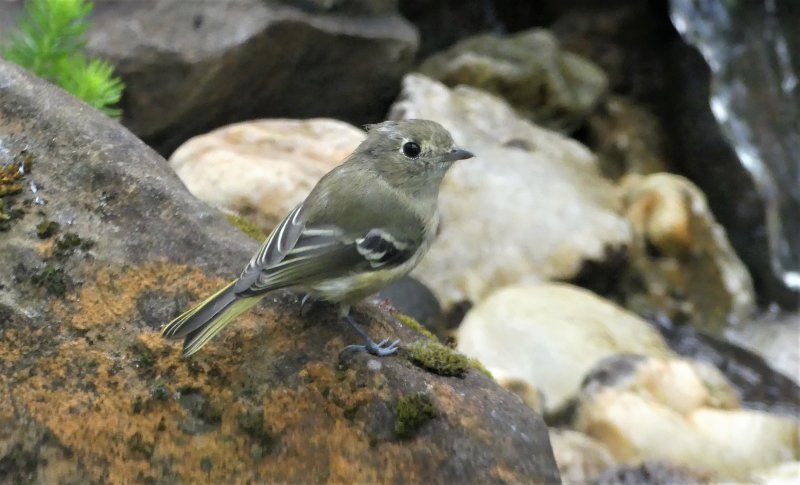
{"x": 52, "y": 279}
{"x": 46, "y": 229}
{"x": 246, "y": 227}
{"x": 252, "y": 423}
{"x": 415, "y": 325}
{"x": 143, "y": 356}
{"x": 139, "y": 405}
{"x": 438, "y": 358}
{"x": 413, "y": 411}
{"x": 137, "y": 444}
{"x": 159, "y": 392}
{"x": 66, "y": 244}
{"x": 478, "y": 366}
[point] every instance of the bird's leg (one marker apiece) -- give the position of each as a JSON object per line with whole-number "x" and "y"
{"x": 381, "y": 349}
{"x": 306, "y": 304}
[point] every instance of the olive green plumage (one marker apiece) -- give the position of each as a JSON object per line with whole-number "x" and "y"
{"x": 365, "y": 224}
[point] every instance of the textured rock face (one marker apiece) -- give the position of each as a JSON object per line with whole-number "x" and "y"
{"x": 263, "y": 169}
{"x": 192, "y": 66}
{"x": 89, "y": 392}
{"x": 551, "y": 335}
{"x": 530, "y": 206}
{"x": 681, "y": 256}
{"x": 554, "y": 88}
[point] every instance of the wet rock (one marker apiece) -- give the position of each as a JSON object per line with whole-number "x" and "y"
{"x": 81, "y": 370}
{"x": 552, "y": 87}
{"x": 775, "y": 338}
{"x": 758, "y": 110}
{"x": 757, "y": 384}
{"x": 557, "y": 210}
{"x": 283, "y": 160}
{"x": 682, "y": 413}
{"x": 189, "y": 67}
{"x": 681, "y": 263}
{"x": 580, "y": 458}
{"x": 550, "y": 335}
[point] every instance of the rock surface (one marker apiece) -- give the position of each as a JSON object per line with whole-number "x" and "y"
{"x": 776, "y": 339}
{"x": 556, "y": 210}
{"x": 262, "y": 169}
{"x": 682, "y": 265}
{"x": 91, "y": 393}
{"x": 682, "y": 413}
{"x": 551, "y": 335}
{"x": 189, "y": 67}
{"x": 529, "y": 69}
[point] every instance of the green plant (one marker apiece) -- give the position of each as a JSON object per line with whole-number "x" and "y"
{"x": 50, "y": 43}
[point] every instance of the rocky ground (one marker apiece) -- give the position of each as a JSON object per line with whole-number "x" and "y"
{"x": 598, "y": 307}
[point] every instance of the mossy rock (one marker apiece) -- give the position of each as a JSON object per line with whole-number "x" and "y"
{"x": 413, "y": 411}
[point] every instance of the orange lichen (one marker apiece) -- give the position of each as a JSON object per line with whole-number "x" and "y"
{"x": 129, "y": 408}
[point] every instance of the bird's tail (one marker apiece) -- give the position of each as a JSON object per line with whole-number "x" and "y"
{"x": 200, "y": 323}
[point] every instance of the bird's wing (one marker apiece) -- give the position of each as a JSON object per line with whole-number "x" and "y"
{"x": 296, "y": 254}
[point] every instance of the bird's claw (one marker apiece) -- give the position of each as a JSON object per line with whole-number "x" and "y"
{"x": 380, "y": 349}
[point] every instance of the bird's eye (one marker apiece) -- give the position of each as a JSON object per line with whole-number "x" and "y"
{"x": 411, "y": 149}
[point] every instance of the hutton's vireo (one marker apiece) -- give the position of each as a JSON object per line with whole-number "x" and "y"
{"x": 365, "y": 224}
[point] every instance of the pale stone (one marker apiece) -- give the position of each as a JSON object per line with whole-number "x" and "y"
{"x": 552, "y": 86}
{"x": 784, "y": 474}
{"x": 580, "y": 458}
{"x": 682, "y": 262}
{"x": 530, "y": 206}
{"x": 263, "y": 169}
{"x": 551, "y": 335}
{"x": 670, "y": 418}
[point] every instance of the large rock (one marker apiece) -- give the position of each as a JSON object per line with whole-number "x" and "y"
{"x": 681, "y": 264}
{"x": 580, "y": 458}
{"x": 530, "y": 206}
{"x": 189, "y": 67}
{"x": 282, "y": 160}
{"x": 551, "y": 335}
{"x": 529, "y": 69}
{"x": 683, "y": 413}
{"x": 89, "y": 392}
{"x": 776, "y": 338}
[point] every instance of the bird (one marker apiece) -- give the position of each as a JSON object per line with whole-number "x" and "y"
{"x": 365, "y": 224}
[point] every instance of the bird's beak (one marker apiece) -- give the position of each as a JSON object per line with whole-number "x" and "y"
{"x": 458, "y": 154}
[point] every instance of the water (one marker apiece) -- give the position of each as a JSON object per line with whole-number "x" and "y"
{"x": 753, "y": 50}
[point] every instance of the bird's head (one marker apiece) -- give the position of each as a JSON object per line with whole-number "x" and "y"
{"x": 410, "y": 154}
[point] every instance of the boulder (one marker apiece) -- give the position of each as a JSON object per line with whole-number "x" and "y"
{"x": 189, "y": 67}
{"x": 681, "y": 413}
{"x": 89, "y": 392}
{"x": 530, "y": 206}
{"x": 580, "y": 458}
{"x": 681, "y": 263}
{"x": 551, "y": 335}
{"x": 552, "y": 87}
{"x": 282, "y": 161}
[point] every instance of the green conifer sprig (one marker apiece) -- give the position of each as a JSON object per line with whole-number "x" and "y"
{"x": 50, "y": 42}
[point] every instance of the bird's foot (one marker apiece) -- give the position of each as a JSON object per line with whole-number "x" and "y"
{"x": 381, "y": 349}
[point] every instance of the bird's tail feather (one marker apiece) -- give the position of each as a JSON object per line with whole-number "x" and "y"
{"x": 201, "y": 322}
